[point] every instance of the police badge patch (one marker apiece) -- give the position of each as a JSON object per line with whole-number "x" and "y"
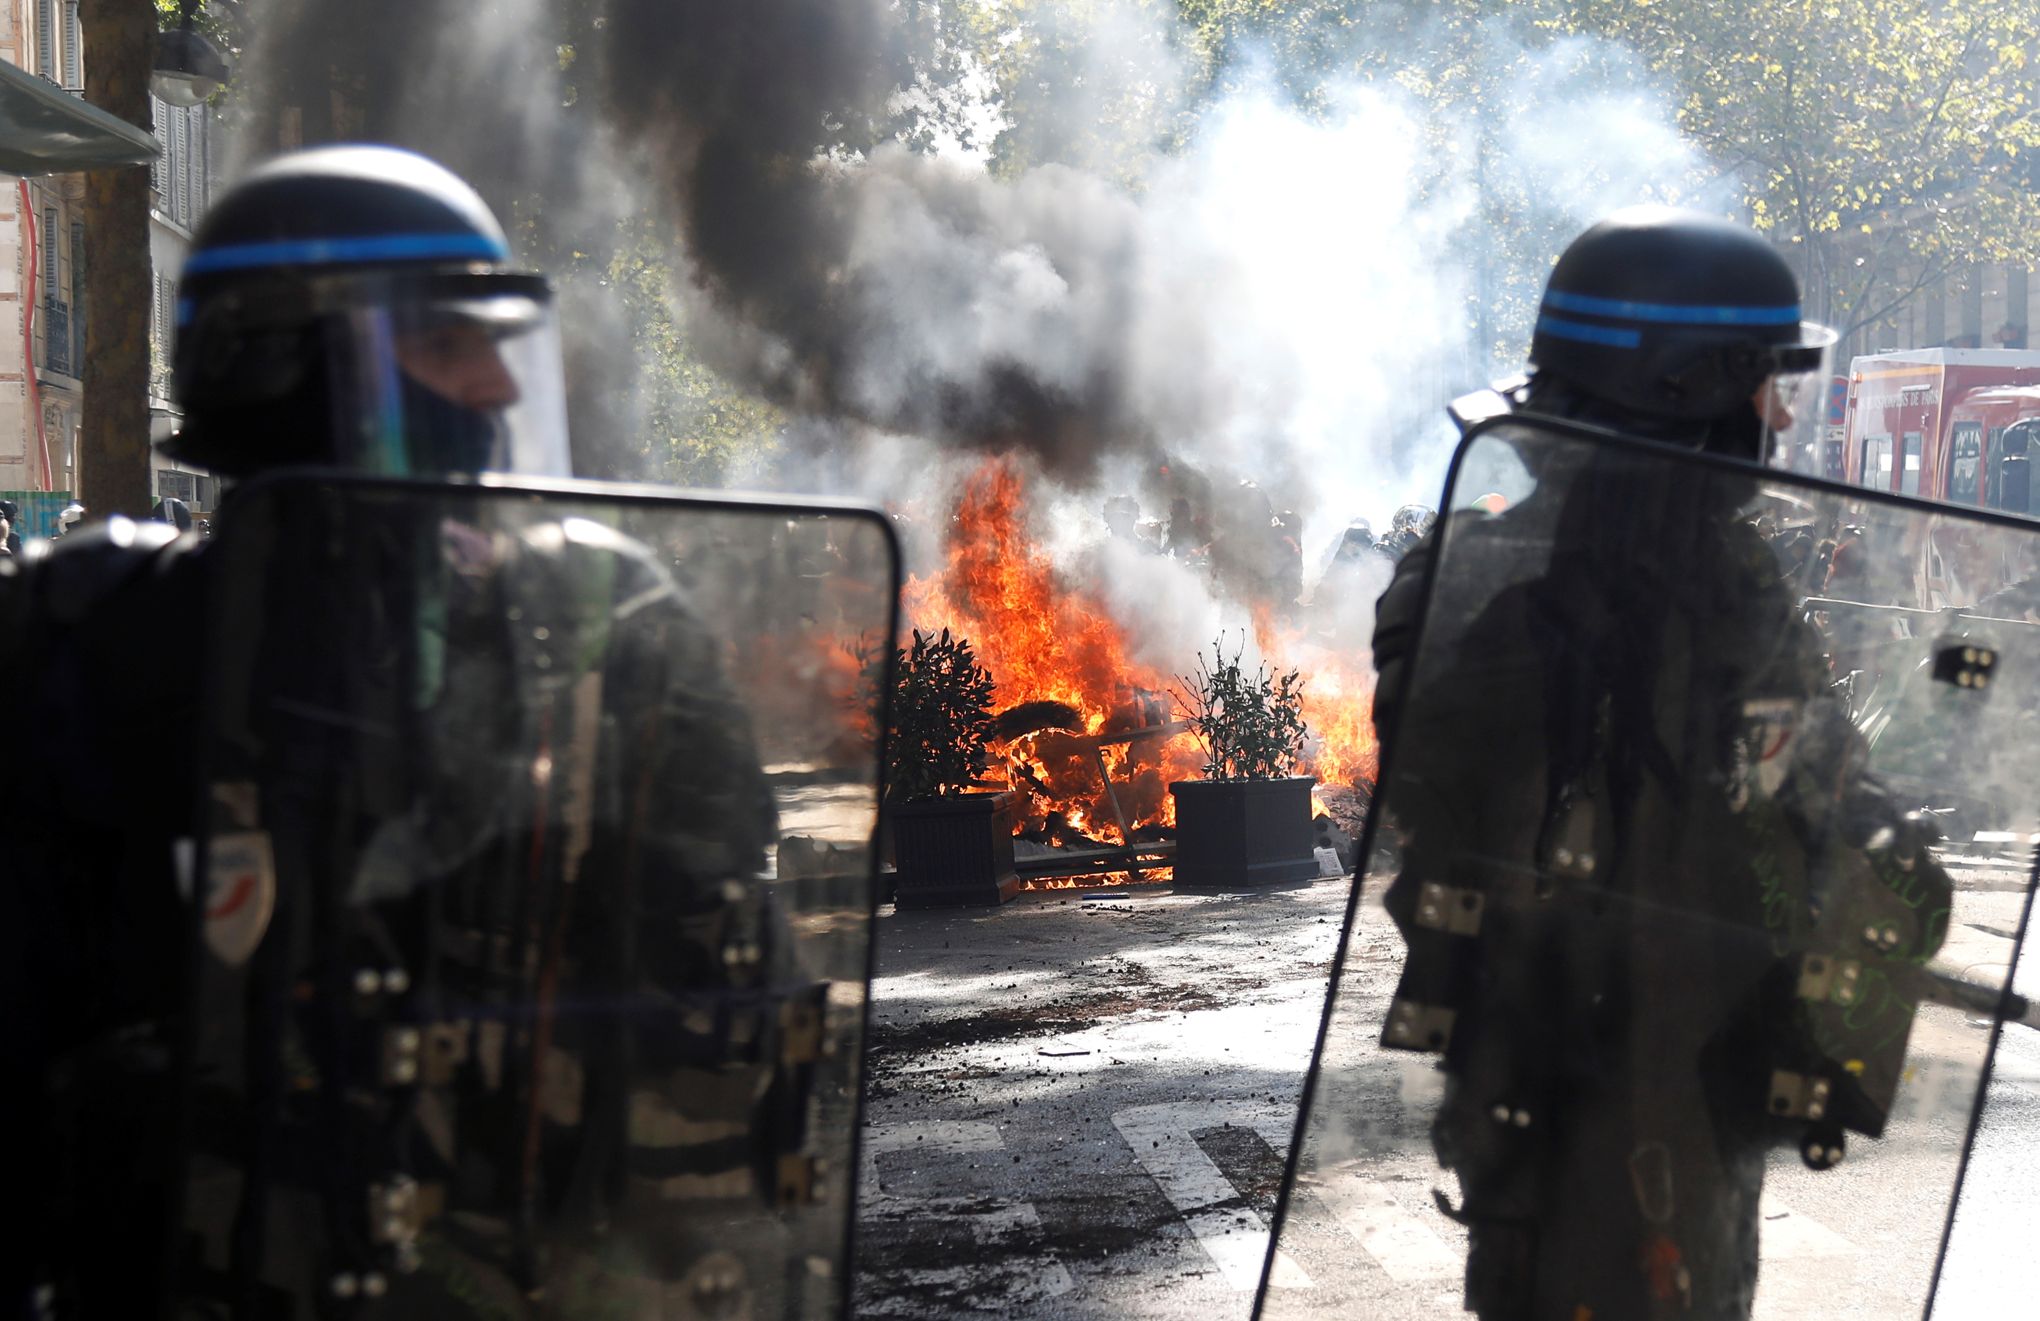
{"x": 240, "y": 894}
{"x": 1763, "y": 749}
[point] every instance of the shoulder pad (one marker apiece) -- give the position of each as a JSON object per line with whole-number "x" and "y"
{"x": 587, "y": 560}
{"x": 74, "y": 575}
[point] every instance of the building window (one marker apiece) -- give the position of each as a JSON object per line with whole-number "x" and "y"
{"x": 174, "y": 485}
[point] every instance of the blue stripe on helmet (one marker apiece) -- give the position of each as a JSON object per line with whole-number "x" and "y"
{"x": 1615, "y": 337}
{"x": 343, "y": 251}
{"x": 1681, "y": 314}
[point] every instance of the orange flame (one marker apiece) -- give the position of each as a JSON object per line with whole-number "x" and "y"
{"x": 1045, "y": 639}
{"x": 1048, "y": 640}
{"x": 1338, "y": 701}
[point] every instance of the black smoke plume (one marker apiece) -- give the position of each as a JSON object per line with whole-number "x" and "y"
{"x": 850, "y": 277}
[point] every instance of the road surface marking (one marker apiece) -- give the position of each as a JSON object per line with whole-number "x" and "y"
{"x": 1788, "y": 1235}
{"x": 1160, "y": 1137}
{"x": 1406, "y": 1249}
{"x": 993, "y": 1227}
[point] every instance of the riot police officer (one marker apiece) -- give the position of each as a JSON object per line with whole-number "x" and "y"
{"x": 424, "y": 713}
{"x": 1405, "y": 530}
{"x": 1598, "y": 357}
{"x": 173, "y": 511}
{"x": 1575, "y": 777}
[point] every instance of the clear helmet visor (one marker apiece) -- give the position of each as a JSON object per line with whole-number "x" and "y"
{"x": 1792, "y": 401}
{"x": 451, "y": 376}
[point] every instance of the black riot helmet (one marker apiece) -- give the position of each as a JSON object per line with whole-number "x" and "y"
{"x": 173, "y": 511}
{"x": 354, "y": 307}
{"x": 1681, "y": 326}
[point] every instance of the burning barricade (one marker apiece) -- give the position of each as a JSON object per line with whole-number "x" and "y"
{"x": 1089, "y": 734}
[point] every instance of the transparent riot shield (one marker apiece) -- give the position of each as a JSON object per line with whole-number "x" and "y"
{"x": 530, "y": 971}
{"x": 1702, "y": 856}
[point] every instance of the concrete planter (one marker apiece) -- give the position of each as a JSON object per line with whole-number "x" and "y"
{"x": 954, "y": 852}
{"x": 1243, "y": 834}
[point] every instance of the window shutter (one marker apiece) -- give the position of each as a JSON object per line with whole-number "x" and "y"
{"x": 46, "y": 39}
{"x": 78, "y": 297}
{"x": 166, "y": 326}
{"x": 49, "y": 253}
{"x": 177, "y": 176}
{"x": 159, "y": 115}
{"x": 201, "y": 161}
{"x": 194, "y": 125}
{"x": 74, "y": 47}
{"x": 160, "y": 316}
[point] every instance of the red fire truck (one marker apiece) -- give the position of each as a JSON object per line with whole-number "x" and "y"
{"x": 1946, "y": 424}
{"x": 1960, "y": 425}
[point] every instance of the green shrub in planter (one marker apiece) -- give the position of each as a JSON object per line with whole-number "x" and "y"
{"x": 951, "y": 846}
{"x": 1248, "y": 822}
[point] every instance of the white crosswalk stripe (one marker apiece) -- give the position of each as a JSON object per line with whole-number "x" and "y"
{"x": 1160, "y": 1136}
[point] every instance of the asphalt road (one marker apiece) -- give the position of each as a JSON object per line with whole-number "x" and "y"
{"x": 1079, "y": 1107}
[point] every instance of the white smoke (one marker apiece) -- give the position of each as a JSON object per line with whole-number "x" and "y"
{"x": 1289, "y": 296}
{"x": 1269, "y": 285}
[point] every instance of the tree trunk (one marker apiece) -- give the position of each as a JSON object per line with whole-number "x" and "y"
{"x": 113, "y": 459}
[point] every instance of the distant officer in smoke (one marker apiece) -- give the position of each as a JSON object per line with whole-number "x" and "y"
{"x": 1354, "y": 543}
{"x": 506, "y": 703}
{"x": 1352, "y": 576}
{"x": 1614, "y": 1022}
{"x": 1122, "y": 517}
{"x": 1285, "y": 560}
{"x": 1409, "y": 526}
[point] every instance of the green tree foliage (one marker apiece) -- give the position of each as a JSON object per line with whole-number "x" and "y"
{"x": 941, "y": 718}
{"x": 641, "y": 399}
{"x": 690, "y": 425}
{"x": 1466, "y": 68}
{"x": 1885, "y": 143}
{"x": 1251, "y": 724}
{"x": 662, "y": 413}
{"x": 1888, "y": 141}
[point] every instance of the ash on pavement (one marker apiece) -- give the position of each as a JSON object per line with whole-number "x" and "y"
{"x": 1081, "y": 1109}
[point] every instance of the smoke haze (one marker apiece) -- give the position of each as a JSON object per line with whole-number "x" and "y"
{"x": 1120, "y": 271}
{"x": 1286, "y": 295}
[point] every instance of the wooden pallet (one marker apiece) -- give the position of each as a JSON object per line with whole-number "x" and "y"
{"x": 1133, "y": 860}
